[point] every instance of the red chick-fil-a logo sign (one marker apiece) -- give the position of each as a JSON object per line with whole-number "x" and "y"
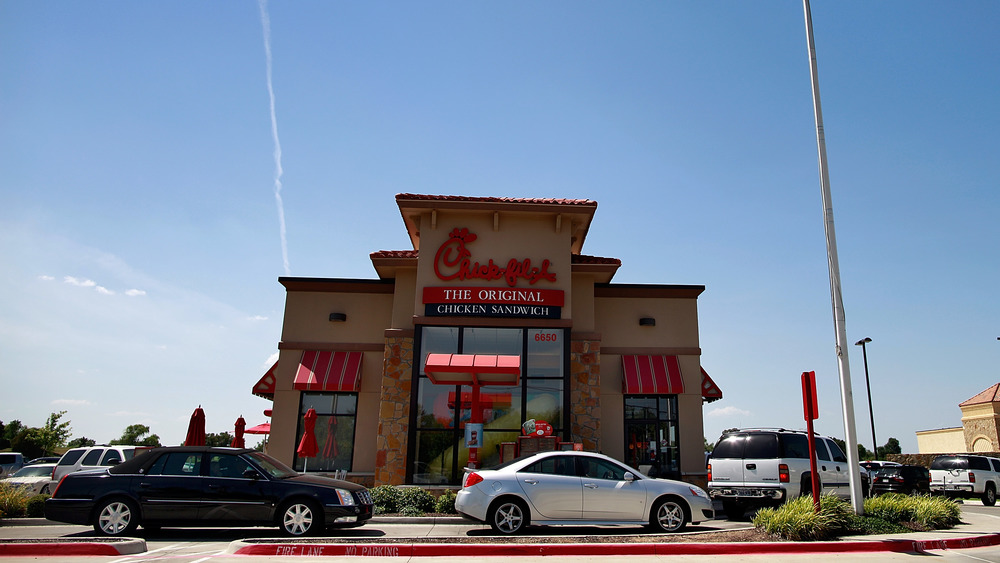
{"x": 453, "y": 261}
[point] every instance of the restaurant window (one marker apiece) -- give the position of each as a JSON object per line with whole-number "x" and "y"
{"x": 651, "y": 444}
{"x": 335, "y": 418}
{"x": 439, "y": 413}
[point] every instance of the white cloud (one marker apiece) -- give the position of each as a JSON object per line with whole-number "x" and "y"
{"x": 135, "y": 292}
{"x": 71, "y": 402}
{"x": 104, "y": 291}
{"x": 728, "y": 411}
{"x": 78, "y": 282}
{"x": 257, "y": 318}
{"x": 43, "y": 277}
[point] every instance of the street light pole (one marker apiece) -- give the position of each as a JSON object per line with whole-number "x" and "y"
{"x": 871, "y": 414}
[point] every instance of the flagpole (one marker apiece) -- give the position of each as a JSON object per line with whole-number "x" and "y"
{"x": 839, "y": 318}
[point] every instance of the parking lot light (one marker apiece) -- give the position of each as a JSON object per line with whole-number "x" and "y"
{"x": 871, "y": 415}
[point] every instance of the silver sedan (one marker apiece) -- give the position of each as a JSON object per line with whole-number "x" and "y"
{"x": 575, "y": 488}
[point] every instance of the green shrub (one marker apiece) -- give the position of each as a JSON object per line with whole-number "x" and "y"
{"x": 886, "y": 514}
{"x": 445, "y": 503}
{"x": 386, "y": 499}
{"x": 35, "y": 507}
{"x": 796, "y": 520}
{"x": 13, "y": 501}
{"x": 415, "y": 500}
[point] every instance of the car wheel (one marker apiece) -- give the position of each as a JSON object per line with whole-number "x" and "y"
{"x": 116, "y": 517}
{"x": 668, "y": 515}
{"x": 508, "y": 517}
{"x": 301, "y": 518}
{"x": 45, "y": 490}
{"x": 990, "y": 496}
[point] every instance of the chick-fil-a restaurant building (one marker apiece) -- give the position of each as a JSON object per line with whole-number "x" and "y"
{"x": 493, "y": 326}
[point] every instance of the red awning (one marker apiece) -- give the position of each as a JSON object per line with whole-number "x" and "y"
{"x": 651, "y": 375}
{"x": 709, "y": 390}
{"x": 265, "y": 385}
{"x": 329, "y": 371}
{"x": 472, "y": 369}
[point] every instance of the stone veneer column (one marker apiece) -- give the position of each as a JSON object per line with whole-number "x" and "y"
{"x": 585, "y": 393}
{"x": 394, "y": 411}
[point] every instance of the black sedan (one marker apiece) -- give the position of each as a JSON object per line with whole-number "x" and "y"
{"x": 201, "y": 486}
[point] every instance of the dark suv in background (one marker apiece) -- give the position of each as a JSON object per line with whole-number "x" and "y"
{"x": 905, "y": 479}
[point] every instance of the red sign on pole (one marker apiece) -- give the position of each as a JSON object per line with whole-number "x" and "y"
{"x": 811, "y": 412}
{"x": 810, "y": 407}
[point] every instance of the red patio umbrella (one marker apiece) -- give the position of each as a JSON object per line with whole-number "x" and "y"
{"x": 196, "y": 429}
{"x": 263, "y": 428}
{"x": 238, "y": 441}
{"x": 308, "y": 446}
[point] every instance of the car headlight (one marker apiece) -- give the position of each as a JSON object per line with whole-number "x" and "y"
{"x": 698, "y": 492}
{"x": 346, "y": 498}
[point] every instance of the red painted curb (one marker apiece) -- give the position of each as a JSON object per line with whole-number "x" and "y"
{"x": 571, "y": 549}
{"x": 57, "y": 549}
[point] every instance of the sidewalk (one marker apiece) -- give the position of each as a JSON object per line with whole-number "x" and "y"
{"x": 431, "y": 537}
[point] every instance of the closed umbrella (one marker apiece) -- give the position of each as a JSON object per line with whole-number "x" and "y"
{"x": 196, "y": 429}
{"x": 308, "y": 446}
{"x": 238, "y": 441}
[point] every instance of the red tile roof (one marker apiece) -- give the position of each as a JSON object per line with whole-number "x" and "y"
{"x": 991, "y": 395}
{"x": 574, "y": 259}
{"x": 549, "y": 201}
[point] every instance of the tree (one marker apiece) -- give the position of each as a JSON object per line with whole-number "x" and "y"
{"x": 709, "y": 446}
{"x": 133, "y": 436}
{"x": 222, "y": 439}
{"x": 80, "y": 442}
{"x": 891, "y": 447}
{"x": 55, "y": 434}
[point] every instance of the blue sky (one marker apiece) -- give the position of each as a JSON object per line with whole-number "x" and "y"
{"x": 140, "y": 232}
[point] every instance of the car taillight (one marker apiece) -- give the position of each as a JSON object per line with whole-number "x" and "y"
{"x": 972, "y": 477}
{"x": 472, "y": 479}
{"x": 783, "y": 473}
{"x": 59, "y": 484}
{"x": 709, "y": 471}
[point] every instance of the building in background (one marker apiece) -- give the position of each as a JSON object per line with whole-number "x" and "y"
{"x": 494, "y": 319}
{"x": 980, "y": 431}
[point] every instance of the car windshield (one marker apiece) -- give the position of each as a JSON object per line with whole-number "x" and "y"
{"x": 272, "y": 467}
{"x": 34, "y": 471}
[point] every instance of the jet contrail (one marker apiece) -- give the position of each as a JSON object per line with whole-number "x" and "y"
{"x": 265, "y": 22}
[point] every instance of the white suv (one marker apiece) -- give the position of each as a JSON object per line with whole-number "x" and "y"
{"x": 93, "y": 457}
{"x": 760, "y": 467}
{"x": 967, "y": 476}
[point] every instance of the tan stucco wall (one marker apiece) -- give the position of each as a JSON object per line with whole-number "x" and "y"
{"x": 307, "y": 325}
{"x": 676, "y": 331}
{"x": 307, "y": 317}
{"x": 941, "y": 441}
{"x": 676, "y": 322}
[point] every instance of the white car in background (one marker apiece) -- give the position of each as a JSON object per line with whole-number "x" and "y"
{"x": 37, "y": 478}
{"x": 574, "y": 488}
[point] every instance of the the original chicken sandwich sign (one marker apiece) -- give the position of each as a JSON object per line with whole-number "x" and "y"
{"x": 453, "y": 262}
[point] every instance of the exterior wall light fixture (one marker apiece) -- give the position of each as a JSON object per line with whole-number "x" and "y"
{"x": 647, "y": 321}
{"x": 338, "y": 317}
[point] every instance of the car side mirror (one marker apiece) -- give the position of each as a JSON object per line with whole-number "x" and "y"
{"x": 629, "y": 477}
{"x": 251, "y": 474}
{"x": 114, "y": 461}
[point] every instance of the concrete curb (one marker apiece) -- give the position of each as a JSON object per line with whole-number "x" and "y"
{"x": 113, "y": 547}
{"x": 577, "y": 549}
